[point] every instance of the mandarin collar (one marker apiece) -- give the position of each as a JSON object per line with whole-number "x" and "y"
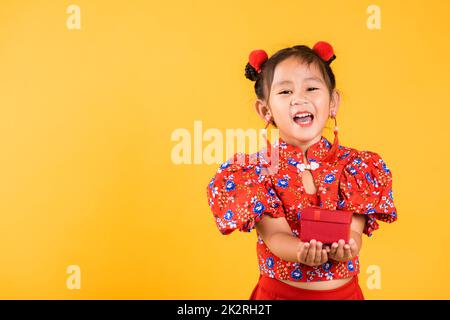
{"x": 315, "y": 152}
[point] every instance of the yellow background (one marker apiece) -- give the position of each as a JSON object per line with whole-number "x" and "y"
{"x": 86, "y": 119}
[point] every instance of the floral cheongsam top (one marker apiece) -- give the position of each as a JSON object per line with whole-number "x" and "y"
{"x": 241, "y": 192}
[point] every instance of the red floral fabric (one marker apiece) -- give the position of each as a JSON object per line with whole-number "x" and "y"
{"x": 243, "y": 190}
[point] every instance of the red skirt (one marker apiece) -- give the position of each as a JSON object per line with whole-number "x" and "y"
{"x": 272, "y": 289}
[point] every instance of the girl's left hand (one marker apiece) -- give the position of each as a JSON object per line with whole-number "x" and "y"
{"x": 340, "y": 251}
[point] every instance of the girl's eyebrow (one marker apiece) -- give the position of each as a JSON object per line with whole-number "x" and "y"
{"x": 289, "y": 81}
{"x": 282, "y": 82}
{"x": 314, "y": 78}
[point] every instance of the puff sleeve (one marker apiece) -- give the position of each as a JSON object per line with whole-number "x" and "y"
{"x": 365, "y": 187}
{"x": 240, "y": 194}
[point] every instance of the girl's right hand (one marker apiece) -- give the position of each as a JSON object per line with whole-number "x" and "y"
{"x": 312, "y": 254}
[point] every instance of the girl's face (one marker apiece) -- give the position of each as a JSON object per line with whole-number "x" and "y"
{"x": 299, "y": 102}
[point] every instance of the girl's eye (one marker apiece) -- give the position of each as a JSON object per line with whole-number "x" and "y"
{"x": 282, "y": 92}
{"x": 312, "y": 89}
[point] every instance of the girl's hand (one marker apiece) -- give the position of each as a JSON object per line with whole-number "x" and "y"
{"x": 340, "y": 251}
{"x": 312, "y": 254}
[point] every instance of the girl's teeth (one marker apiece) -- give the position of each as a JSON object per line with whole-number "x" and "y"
{"x": 304, "y": 118}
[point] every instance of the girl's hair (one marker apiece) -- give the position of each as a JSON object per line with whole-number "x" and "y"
{"x": 265, "y": 77}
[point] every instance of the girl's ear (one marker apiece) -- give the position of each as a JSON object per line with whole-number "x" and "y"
{"x": 262, "y": 109}
{"x": 335, "y": 102}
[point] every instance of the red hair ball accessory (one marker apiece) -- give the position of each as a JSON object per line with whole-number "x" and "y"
{"x": 257, "y": 58}
{"x": 325, "y": 51}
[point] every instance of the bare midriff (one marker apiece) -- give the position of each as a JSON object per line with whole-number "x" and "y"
{"x": 318, "y": 285}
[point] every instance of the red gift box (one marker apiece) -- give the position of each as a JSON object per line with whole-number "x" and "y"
{"x": 326, "y": 226}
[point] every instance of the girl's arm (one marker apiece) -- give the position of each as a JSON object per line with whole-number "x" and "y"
{"x": 356, "y": 229}
{"x": 277, "y": 235}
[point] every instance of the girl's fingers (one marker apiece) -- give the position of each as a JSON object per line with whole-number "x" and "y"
{"x": 324, "y": 256}
{"x": 353, "y": 247}
{"x": 347, "y": 252}
{"x": 334, "y": 247}
{"x": 340, "y": 249}
{"x": 318, "y": 257}
{"x": 303, "y": 252}
{"x": 312, "y": 251}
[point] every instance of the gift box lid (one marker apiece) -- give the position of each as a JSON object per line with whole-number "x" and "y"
{"x": 319, "y": 214}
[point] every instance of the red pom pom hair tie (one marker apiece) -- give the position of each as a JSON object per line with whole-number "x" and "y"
{"x": 257, "y": 58}
{"x": 325, "y": 51}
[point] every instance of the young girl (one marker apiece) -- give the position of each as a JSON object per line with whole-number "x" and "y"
{"x": 295, "y": 91}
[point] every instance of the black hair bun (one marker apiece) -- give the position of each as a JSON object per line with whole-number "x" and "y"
{"x": 250, "y": 72}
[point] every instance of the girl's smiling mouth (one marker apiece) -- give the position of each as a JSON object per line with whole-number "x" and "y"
{"x": 303, "y": 118}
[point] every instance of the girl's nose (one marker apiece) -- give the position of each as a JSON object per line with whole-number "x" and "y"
{"x": 299, "y": 101}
